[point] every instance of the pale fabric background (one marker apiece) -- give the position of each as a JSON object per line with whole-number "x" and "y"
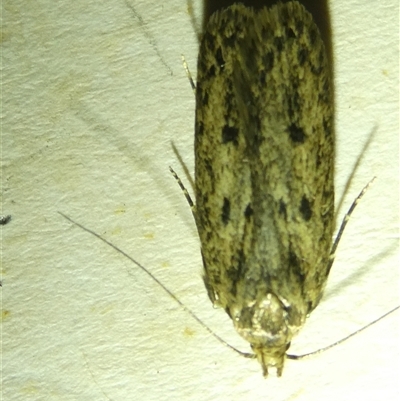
{"x": 94, "y": 93}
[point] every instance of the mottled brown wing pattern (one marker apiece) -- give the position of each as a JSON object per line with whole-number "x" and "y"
{"x": 264, "y": 154}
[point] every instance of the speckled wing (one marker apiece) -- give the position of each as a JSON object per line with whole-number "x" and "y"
{"x": 264, "y": 161}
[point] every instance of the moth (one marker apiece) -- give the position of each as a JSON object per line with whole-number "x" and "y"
{"x": 264, "y": 171}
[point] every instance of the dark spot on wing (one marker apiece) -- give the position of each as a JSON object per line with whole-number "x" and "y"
{"x": 305, "y": 208}
{"x": 226, "y": 211}
{"x": 296, "y": 133}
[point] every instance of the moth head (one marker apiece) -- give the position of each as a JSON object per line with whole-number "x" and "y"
{"x": 264, "y": 324}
